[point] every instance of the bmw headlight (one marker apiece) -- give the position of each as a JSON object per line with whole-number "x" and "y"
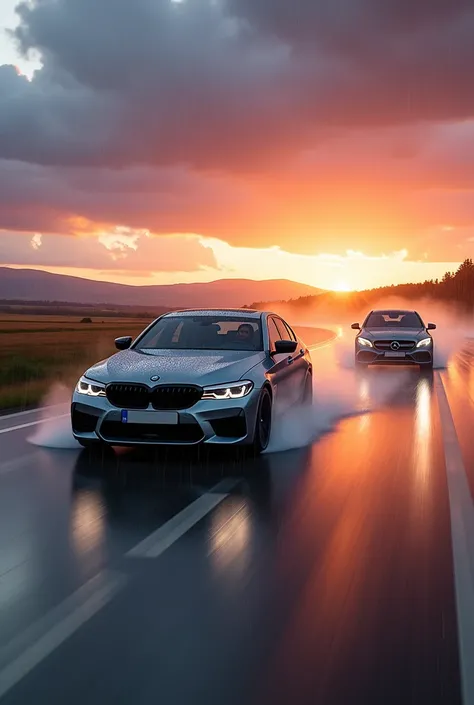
{"x": 364, "y": 342}
{"x": 424, "y": 343}
{"x": 232, "y": 390}
{"x": 90, "y": 387}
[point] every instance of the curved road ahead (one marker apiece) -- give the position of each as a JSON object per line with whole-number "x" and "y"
{"x": 334, "y": 574}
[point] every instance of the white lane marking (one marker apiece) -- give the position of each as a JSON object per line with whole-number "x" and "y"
{"x": 25, "y": 652}
{"x": 32, "y": 423}
{"x": 30, "y": 411}
{"x": 156, "y": 543}
{"x": 462, "y": 537}
{"x": 12, "y": 465}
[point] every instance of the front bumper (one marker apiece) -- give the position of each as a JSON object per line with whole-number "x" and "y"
{"x": 227, "y": 422}
{"x": 372, "y": 356}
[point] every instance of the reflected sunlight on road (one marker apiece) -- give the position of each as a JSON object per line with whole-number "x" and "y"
{"x": 230, "y": 537}
{"x": 364, "y": 393}
{"x": 87, "y": 521}
{"x": 422, "y": 441}
{"x": 364, "y": 423}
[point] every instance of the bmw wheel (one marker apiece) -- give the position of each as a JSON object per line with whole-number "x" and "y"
{"x": 92, "y": 448}
{"x": 87, "y": 443}
{"x": 263, "y": 424}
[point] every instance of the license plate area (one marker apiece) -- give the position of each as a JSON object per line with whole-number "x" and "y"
{"x": 395, "y": 354}
{"x": 168, "y": 418}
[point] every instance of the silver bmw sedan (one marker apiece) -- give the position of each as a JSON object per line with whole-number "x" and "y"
{"x": 194, "y": 376}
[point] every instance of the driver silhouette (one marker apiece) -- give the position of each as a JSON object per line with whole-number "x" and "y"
{"x": 245, "y": 333}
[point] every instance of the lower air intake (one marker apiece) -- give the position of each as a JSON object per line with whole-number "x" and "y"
{"x": 230, "y": 427}
{"x": 422, "y": 356}
{"x": 83, "y": 422}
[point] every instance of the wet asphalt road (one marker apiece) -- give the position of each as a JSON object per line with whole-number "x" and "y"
{"x": 319, "y": 575}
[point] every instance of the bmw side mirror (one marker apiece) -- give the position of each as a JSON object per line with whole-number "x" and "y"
{"x": 285, "y": 347}
{"x": 431, "y": 326}
{"x": 355, "y": 326}
{"x": 123, "y": 343}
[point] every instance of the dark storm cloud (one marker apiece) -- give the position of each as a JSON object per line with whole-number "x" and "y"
{"x": 305, "y": 123}
{"x": 347, "y": 24}
{"x": 35, "y": 197}
{"x": 351, "y": 174}
{"x": 228, "y": 85}
{"x": 154, "y": 82}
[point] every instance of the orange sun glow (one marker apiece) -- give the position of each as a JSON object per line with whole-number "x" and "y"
{"x": 341, "y": 286}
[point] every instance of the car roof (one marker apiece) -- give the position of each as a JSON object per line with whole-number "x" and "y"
{"x": 248, "y": 312}
{"x": 389, "y": 310}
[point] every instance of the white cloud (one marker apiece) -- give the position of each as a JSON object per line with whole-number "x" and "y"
{"x": 123, "y": 253}
{"x": 122, "y": 241}
{"x": 9, "y": 53}
{"x": 36, "y": 241}
{"x": 354, "y": 270}
{"x": 119, "y": 248}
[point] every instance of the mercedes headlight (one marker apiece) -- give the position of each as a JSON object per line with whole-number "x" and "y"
{"x": 364, "y": 342}
{"x": 90, "y": 387}
{"x": 232, "y": 390}
{"x": 424, "y": 343}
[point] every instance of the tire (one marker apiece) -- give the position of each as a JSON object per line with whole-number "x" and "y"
{"x": 87, "y": 443}
{"x": 308, "y": 391}
{"x": 263, "y": 423}
{"x": 95, "y": 449}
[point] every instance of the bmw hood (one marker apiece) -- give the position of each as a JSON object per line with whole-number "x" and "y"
{"x": 394, "y": 333}
{"x": 175, "y": 366}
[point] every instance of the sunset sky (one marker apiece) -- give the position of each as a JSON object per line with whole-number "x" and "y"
{"x": 326, "y": 141}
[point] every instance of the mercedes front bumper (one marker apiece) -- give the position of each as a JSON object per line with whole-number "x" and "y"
{"x": 403, "y": 353}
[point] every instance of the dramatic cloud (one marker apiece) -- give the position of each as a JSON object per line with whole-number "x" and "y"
{"x": 232, "y": 84}
{"x": 151, "y": 82}
{"x": 135, "y": 257}
{"x": 318, "y": 126}
{"x": 57, "y": 199}
{"x": 118, "y": 249}
{"x": 351, "y": 270}
{"x": 378, "y": 191}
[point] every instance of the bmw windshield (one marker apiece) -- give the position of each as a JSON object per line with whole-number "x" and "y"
{"x": 203, "y": 333}
{"x": 394, "y": 319}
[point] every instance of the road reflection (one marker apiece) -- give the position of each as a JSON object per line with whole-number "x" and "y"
{"x": 422, "y": 444}
{"x": 87, "y": 520}
{"x": 315, "y": 557}
{"x": 230, "y": 539}
{"x": 128, "y": 495}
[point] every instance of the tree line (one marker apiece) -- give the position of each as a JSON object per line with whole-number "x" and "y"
{"x": 455, "y": 287}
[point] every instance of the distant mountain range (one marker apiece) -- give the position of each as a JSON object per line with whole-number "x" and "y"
{"x": 36, "y": 285}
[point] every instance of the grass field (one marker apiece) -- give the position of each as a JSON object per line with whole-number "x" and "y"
{"x": 36, "y": 351}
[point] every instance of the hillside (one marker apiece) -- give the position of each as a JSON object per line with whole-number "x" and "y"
{"x": 36, "y": 285}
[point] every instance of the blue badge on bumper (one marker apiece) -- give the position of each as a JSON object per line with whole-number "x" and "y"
{"x": 124, "y": 416}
